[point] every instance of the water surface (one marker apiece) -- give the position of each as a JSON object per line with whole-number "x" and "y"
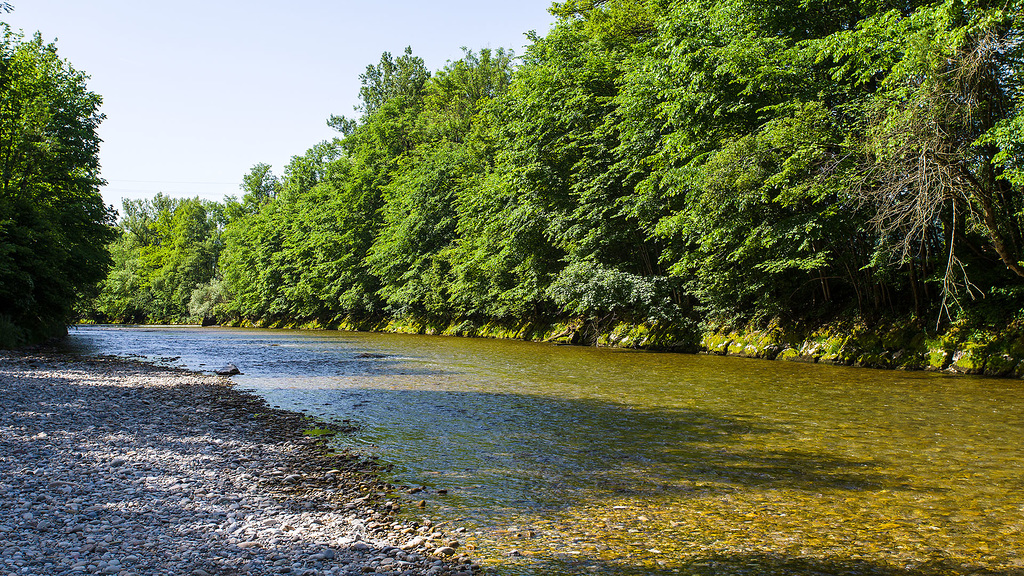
{"x": 582, "y": 460}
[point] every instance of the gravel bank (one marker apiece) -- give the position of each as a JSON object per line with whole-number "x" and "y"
{"x": 113, "y": 467}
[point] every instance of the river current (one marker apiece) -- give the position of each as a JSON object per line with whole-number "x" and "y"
{"x": 571, "y": 460}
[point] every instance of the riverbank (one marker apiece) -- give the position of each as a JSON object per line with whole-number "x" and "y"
{"x": 115, "y": 467}
{"x": 960, "y": 349}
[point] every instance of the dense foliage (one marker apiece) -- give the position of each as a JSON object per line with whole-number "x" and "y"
{"x": 53, "y": 224}
{"x": 647, "y": 161}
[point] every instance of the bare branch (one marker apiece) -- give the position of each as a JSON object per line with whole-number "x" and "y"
{"x": 928, "y": 179}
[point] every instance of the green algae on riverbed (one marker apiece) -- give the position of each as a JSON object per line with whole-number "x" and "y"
{"x": 718, "y": 530}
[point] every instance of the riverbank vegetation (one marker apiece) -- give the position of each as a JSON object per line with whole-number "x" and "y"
{"x": 688, "y": 166}
{"x": 53, "y": 225}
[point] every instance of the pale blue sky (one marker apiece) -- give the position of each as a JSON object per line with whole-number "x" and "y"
{"x": 197, "y": 91}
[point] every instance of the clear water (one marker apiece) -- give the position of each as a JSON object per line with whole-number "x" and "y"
{"x": 569, "y": 460}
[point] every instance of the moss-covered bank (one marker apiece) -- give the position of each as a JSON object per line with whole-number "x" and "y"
{"x": 960, "y": 349}
{"x": 667, "y": 337}
{"x": 903, "y": 346}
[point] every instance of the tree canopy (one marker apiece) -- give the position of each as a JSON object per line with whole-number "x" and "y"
{"x": 53, "y": 224}
{"x": 650, "y": 161}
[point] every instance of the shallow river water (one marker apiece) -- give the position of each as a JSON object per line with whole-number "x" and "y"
{"x": 570, "y": 460}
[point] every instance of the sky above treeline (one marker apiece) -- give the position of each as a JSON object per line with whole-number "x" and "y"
{"x": 197, "y": 91}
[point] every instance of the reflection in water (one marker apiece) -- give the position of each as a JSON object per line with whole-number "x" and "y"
{"x": 579, "y": 460}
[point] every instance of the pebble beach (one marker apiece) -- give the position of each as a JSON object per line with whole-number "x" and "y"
{"x": 114, "y": 467}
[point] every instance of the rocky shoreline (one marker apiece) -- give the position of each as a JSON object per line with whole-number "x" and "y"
{"x": 115, "y": 467}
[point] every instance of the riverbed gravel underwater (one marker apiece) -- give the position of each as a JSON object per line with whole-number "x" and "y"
{"x": 115, "y": 467}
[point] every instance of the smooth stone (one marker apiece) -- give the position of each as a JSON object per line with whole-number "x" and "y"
{"x": 229, "y": 370}
{"x": 414, "y": 543}
{"x": 201, "y": 471}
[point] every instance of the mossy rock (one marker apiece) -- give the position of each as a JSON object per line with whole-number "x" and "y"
{"x": 849, "y": 354}
{"x": 738, "y": 347}
{"x": 897, "y": 339}
{"x": 659, "y": 337}
{"x": 1001, "y": 365}
{"x": 754, "y": 351}
{"x": 869, "y": 341}
{"x": 789, "y": 355}
{"x": 466, "y": 328}
{"x": 938, "y": 359}
{"x": 908, "y": 359}
{"x": 1018, "y": 370}
{"x": 716, "y": 343}
{"x": 806, "y": 353}
{"x": 671, "y": 337}
{"x": 871, "y": 360}
{"x": 832, "y": 348}
{"x": 970, "y": 361}
{"x": 830, "y": 357}
{"x": 918, "y": 341}
{"x": 810, "y": 350}
{"x": 620, "y": 335}
{"x": 707, "y": 340}
{"x": 1015, "y": 346}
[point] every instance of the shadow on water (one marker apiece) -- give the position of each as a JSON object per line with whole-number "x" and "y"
{"x": 532, "y": 450}
{"x": 565, "y": 468}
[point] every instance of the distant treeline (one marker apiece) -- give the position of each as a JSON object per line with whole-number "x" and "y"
{"x": 647, "y": 161}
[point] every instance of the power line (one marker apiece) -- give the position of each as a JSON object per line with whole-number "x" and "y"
{"x": 165, "y": 182}
{"x": 139, "y": 191}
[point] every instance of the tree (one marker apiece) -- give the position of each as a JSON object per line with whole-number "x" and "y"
{"x": 455, "y": 95}
{"x": 397, "y": 80}
{"x": 167, "y": 249}
{"x": 741, "y": 132}
{"x": 401, "y": 77}
{"x": 53, "y": 225}
{"x": 655, "y": 161}
{"x": 420, "y": 219}
{"x": 260, "y": 186}
{"x": 944, "y": 143}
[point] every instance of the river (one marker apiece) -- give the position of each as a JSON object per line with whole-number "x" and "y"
{"x": 572, "y": 460}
